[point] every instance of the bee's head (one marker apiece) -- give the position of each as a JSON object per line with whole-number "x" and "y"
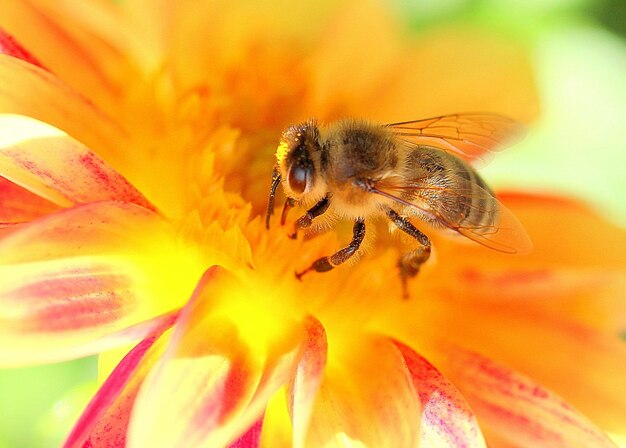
{"x": 297, "y": 157}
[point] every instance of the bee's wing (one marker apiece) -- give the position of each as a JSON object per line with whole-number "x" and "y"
{"x": 469, "y": 135}
{"x": 493, "y": 226}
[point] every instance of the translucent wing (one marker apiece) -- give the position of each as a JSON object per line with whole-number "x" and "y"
{"x": 473, "y": 212}
{"x": 469, "y": 135}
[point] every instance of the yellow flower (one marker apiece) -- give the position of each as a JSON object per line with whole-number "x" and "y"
{"x": 136, "y": 146}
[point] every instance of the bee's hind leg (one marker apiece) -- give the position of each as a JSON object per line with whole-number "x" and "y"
{"x": 327, "y": 263}
{"x": 410, "y": 262}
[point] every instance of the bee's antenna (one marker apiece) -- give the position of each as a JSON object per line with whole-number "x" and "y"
{"x": 270, "y": 204}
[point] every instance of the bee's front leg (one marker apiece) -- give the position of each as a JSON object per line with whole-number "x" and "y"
{"x": 327, "y": 263}
{"x": 289, "y": 204}
{"x": 410, "y": 262}
{"x": 305, "y": 220}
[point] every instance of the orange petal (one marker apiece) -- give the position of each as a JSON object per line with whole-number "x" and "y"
{"x": 340, "y": 75}
{"x": 584, "y": 366}
{"x": 53, "y": 165}
{"x": 212, "y": 375}
{"x": 447, "y": 71}
{"x": 19, "y": 205}
{"x": 306, "y": 381}
{"x": 367, "y": 397}
{"x": 565, "y": 233}
{"x": 87, "y": 279}
{"x": 105, "y": 420}
{"x": 29, "y": 90}
{"x": 9, "y": 46}
{"x": 456, "y": 69}
{"x": 447, "y": 420}
{"x": 87, "y": 44}
{"x": 514, "y": 410}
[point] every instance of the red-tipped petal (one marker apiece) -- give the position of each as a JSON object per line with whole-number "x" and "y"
{"x": 212, "y": 375}
{"x": 53, "y": 165}
{"x": 85, "y": 43}
{"x": 307, "y": 379}
{"x": 9, "y": 46}
{"x": 367, "y": 398}
{"x": 447, "y": 420}
{"x": 514, "y": 410}
{"x": 20, "y": 205}
{"x": 105, "y": 420}
{"x": 29, "y": 90}
{"x": 251, "y": 438}
{"x": 88, "y": 279}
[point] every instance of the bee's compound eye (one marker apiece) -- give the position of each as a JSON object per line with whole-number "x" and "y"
{"x": 299, "y": 177}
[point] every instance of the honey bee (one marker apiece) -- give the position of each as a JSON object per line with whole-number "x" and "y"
{"x": 356, "y": 170}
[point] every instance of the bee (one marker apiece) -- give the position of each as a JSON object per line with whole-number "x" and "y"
{"x": 420, "y": 170}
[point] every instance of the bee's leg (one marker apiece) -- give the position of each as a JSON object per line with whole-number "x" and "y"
{"x": 270, "y": 203}
{"x": 305, "y": 220}
{"x": 327, "y": 263}
{"x": 410, "y": 262}
{"x": 289, "y": 204}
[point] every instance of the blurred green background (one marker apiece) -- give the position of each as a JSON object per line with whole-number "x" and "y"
{"x": 576, "y": 147}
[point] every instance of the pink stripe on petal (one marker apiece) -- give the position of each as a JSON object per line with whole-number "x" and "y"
{"x": 71, "y": 300}
{"x": 514, "y": 410}
{"x": 87, "y": 279}
{"x": 105, "y": 420}
{"x": 447, "y": 420}
{"x": 53, "y": 165}
{"x": 252, "y": 437}
{"x": 9, "y": 46}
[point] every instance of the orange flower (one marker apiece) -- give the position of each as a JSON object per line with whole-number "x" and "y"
{"x": 136, "y": 146}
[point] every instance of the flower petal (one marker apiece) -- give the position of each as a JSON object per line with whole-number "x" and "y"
{"x": 9, "y": 46}
{"x": 53, "y": 165}
{"x": 105, "y": 420}
{"x": 588, "y": 240}
{"x": 541, "y": 314}
{"x": 516, "y": 411}
{"x": 447, "y": 420}
{"x": 416, "y": 80}
{"x": 251, "y": 438}
{"x": 367, "y": 397}
{"x": 29, "y": 90}
{"x": 88, "y": 279}
{"x": 85, "y": 43}
{"x": 19, "y": 205}
{"x": 306, "y": 381}
{"x": 586, "y": 367}
{"x": 213, "y": 374}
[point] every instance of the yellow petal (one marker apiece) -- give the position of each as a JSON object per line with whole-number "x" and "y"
{"x": 88, "y": 279}
{"x": 213, "y": 374}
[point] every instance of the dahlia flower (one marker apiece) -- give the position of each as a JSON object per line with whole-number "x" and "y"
{"x": 136, "y": 146}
